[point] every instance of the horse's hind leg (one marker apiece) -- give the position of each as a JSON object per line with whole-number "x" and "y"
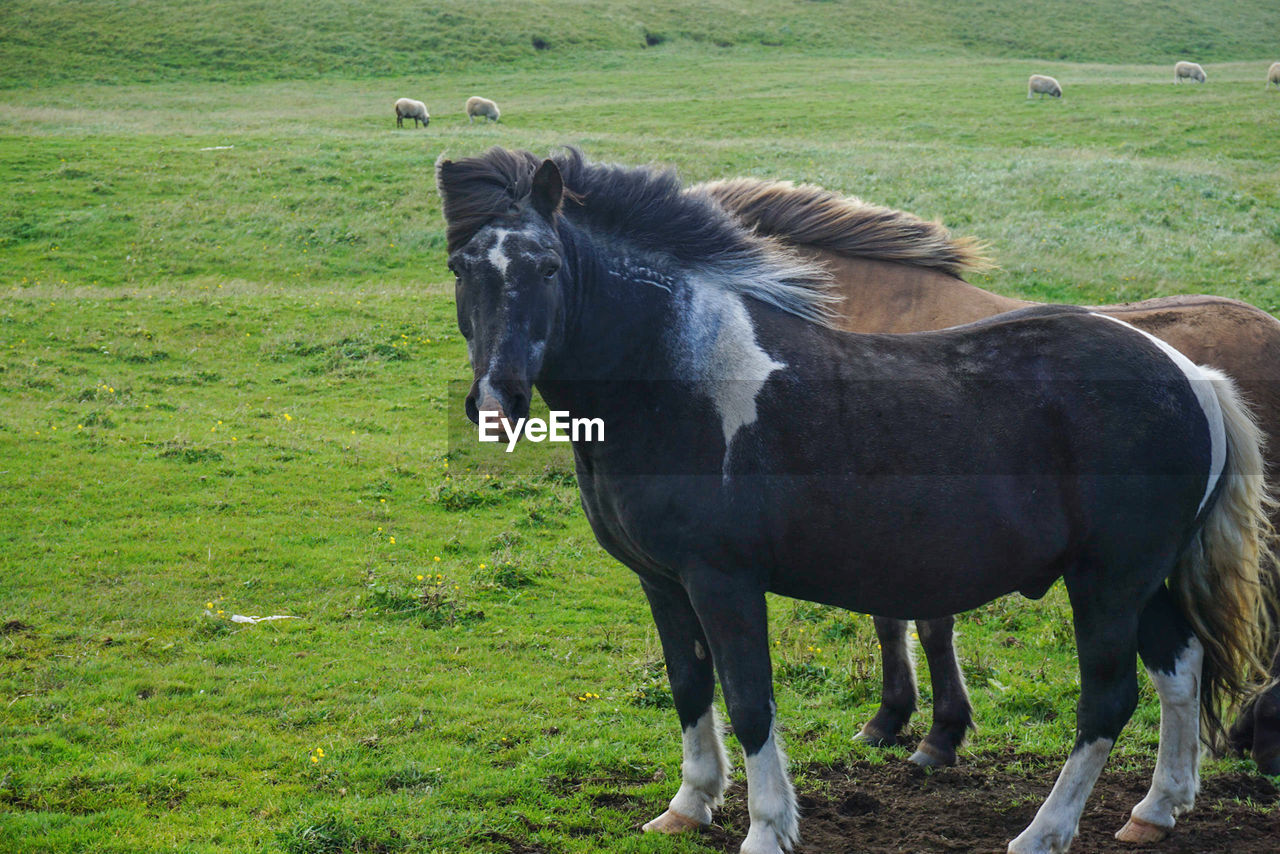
{"x": 1257, "y": 727}
{"x": 704, "y": 771}
{"x": 1266, "y": 729}
{"x": 1172, "y": 656}
{"x": 733, "y": 614}
{"x": 1106, "y": 637}
{"x": 952, "y": 714}
{"x": 898, "y": 685}
{"x": 1266, "y": 722}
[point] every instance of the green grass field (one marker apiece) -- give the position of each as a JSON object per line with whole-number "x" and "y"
{"x": 227, "y": 338}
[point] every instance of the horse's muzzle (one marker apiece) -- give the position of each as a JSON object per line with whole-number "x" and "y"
{"x": 510, "y": 404}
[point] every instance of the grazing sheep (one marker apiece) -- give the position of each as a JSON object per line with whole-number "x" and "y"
{"x": 1189, "y": 70}
{"x": 1044, "y": 85}
{"x": 482, "y": 107}
{"x": 1273, "y": 75}
{"x": 407, "y": 108}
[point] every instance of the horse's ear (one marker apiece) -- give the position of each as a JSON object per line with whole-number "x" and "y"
{"x": 548, "y": 189}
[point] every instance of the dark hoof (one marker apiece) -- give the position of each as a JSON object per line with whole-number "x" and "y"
{"x": 1269, "y": 765}
{"x": 875, "y": 737}
{"x": 930, "y": 756}
{"x": 1240, "y": 735}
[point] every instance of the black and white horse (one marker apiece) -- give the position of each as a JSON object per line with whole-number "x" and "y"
{"x": 750, "y": 448}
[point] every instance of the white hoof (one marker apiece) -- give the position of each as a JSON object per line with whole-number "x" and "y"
{"x": 671, "y": 823}
{"x": 760, "y": 840}
{"x": 1139, "y": 832}
{"x": 1038, "y": 846}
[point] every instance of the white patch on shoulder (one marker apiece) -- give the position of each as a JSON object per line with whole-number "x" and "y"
{"x": 1202, "y": 385}
{"x": 717, "y": 348}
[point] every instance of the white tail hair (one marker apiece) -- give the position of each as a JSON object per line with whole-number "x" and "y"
{"x": 1226, "y": 575}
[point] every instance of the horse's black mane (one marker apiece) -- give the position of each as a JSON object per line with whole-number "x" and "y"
{"x": 645, "y": 207}
{"x": 477, "y": 189}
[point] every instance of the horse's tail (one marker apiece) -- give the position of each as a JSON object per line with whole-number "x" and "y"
{"x": 1227, "y": 573}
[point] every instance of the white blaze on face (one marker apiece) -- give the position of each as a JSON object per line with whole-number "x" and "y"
{"x": 1202, "y": 386}
{"x": 493, "y": 249}
{"x": 497, "y": 254}
{"x": 486, "y": 390}
{"x": 718, "y": 349}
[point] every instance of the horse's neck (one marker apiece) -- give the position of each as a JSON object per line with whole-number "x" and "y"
{"x": 610, "y": 326}
{"x": 881, "y": 296}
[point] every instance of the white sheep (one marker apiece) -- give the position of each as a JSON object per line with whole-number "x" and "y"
{"x": 1273, "y": 75}
{"x": 1044, "y": 85}
{"x": 482, "y": 107}
{"x": 407, "y": 108}
{"x": 1188, "y": 70}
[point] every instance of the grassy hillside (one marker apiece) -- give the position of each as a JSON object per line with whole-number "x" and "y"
{"x": 318, "y": 187}
{"x": 44, "y": 41}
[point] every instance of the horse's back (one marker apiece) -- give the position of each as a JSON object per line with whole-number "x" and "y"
{"x": 1228, "y": 334}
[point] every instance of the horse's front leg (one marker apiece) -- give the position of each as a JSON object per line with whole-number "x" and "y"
{"x": 733, "y": 613}
{"x": 898, "y": 685}
{"x": 704, "y": 771}
{"x": 952, "y": 713}
{"x": 1107, "y": 642}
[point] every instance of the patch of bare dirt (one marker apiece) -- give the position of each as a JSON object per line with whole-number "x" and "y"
{"x": 860, "y": 808}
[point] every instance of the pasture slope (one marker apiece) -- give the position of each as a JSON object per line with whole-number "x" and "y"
{"x": 227, "y": 343}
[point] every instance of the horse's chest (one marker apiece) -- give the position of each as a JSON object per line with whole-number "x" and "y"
{"x": 663, "y": 524}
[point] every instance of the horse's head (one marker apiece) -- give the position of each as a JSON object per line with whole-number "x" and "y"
{"x": 508, "y": 286}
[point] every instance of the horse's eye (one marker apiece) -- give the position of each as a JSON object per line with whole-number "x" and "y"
{"x": 549, "y": 269}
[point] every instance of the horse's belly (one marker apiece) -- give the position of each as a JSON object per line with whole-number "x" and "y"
{"x": 911, "y": 596}
{"x": 953, "y": 546}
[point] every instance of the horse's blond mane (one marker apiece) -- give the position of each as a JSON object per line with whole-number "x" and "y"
{"x": 805, "y": 215}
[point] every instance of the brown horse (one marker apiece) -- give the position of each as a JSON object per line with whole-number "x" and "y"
{"x": 898, "y": 273}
